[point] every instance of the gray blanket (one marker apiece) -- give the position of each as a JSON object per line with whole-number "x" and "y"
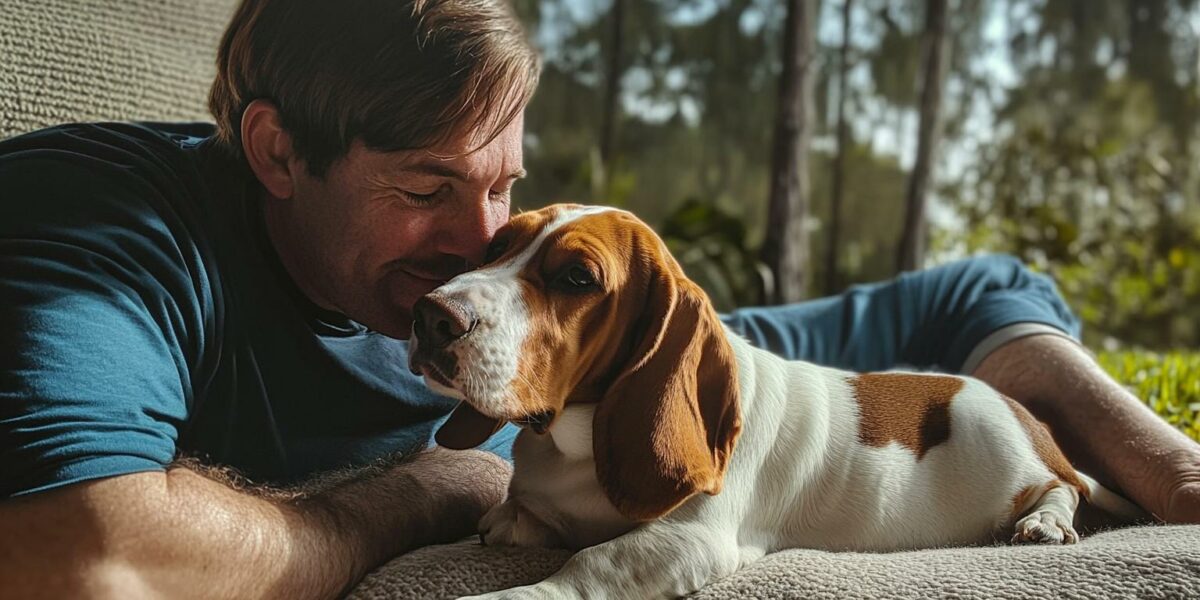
{"x": 82, "y": 60}
{"x": 1137, "y": 562}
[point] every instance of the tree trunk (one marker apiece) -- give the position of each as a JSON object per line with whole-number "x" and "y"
{"x": 612, "y": 93}
{"x": 832, "y": 285}
{"x": 912, "y": 243}
{"x": 785, "y": 249}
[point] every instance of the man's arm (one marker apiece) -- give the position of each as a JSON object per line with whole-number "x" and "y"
{"x": 182, "y": 534}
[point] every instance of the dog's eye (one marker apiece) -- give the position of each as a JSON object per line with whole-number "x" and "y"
{"x": 577, "y": 277}
{"x": 495, "y": 250}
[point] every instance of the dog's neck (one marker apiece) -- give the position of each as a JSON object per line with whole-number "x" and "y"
{"x": 572, "y": 431}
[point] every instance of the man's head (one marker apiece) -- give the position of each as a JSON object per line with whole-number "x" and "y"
{"x": 386, "y": 136}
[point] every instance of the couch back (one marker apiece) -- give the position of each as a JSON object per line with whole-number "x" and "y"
{"x": 103, "y": 60}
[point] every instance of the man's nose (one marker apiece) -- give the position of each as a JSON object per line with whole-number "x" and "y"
{"x": 440, "y": 319}
{"x": 469, "y": 231}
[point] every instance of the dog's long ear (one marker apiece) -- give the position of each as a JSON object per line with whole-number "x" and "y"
{"x": 666, "y": 428}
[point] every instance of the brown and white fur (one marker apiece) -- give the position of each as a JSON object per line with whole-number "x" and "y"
{"x": 672, "y": 452}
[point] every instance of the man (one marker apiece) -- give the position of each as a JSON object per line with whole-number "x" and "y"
{"x": 175, "y": 299}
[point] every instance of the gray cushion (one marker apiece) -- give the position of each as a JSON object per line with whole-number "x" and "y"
{"x": 1137, "y": 562}
{"x": 102, "y": 60}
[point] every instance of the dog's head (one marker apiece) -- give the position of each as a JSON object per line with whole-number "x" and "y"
{"x": 585, "y": 305}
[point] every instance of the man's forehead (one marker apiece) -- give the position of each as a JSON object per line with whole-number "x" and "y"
{"x": 435, "y": 167}
{"x": 460, "y": 158}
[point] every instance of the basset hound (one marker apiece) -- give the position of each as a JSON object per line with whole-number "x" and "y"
{"x": 672, "y": 452}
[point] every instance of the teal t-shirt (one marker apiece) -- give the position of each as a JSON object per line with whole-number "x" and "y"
{"x": 144, "y": 315}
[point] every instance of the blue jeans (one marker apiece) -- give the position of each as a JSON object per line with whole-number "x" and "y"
{"x": 930, "y": 319}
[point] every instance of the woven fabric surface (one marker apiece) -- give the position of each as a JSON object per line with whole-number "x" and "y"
{"x": 100, "y": 60}
{"x": 1137, "y": 562}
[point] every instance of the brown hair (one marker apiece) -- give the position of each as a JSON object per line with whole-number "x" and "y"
{"x": 398, "y": 75}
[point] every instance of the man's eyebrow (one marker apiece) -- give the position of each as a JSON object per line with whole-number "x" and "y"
{"x": 444, "y": 171}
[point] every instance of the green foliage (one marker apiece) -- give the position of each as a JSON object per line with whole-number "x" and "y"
{"x": 1083, "y": 159}
{"x": 1168, "y": 383}
{"x": 710, "y": 245}
{"x": 1094, "y": 176}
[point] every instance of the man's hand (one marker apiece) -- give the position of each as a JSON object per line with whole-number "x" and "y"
{"x": 1102, "y": 428}
{"x": 182, "y": 534}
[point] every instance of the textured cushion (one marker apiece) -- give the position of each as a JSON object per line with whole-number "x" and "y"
{"x": 101, "y": 60}
{"x": 1139, "y": 562}
{"x": 86, "y": 60}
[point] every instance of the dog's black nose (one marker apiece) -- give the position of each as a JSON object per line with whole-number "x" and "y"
{"x": 441, "y": 320}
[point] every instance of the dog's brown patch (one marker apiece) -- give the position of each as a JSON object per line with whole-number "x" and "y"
{"x": 1046, "y": 449}
{"x": 911, "y": 409}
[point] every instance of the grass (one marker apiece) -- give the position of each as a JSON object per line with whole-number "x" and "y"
{"x": 1169, "y": 383}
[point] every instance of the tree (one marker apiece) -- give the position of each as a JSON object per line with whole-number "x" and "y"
{"x": 839, "y": 158}
{"x": 911, "y": 252}
{"x": 785, "y": 249}
{"x": 612, "y": 92}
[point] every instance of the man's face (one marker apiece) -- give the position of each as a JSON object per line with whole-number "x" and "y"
{"x": 383, "y": 229}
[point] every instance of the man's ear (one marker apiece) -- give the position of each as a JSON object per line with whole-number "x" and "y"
{"x": 268, "y": 148}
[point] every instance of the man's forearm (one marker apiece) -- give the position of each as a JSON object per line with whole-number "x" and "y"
{"x": 437, "y": 496}
{"x": 184, "y": 534}
{"x": 1100, "y": 425}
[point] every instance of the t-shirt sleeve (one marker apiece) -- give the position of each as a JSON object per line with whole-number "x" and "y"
{"x": 94, "y": 342}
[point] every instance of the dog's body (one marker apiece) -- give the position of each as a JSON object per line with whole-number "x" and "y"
{"x": 807, "y": 477}
{"x": 825, "y": 458}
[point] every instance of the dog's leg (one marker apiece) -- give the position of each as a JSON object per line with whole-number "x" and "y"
{"x": 512, "y": 524}
{"x": 1050, "y": 519}
{"x": 658, "y": 560}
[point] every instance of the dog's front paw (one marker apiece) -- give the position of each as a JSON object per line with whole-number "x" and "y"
{"x": 511, "y": 524}
{"x": 1044, "y": 527}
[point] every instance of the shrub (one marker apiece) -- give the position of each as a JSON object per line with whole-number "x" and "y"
{"x": 1168, "y": 383}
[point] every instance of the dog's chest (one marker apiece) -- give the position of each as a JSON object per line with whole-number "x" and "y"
{"x": 572, "y": 433}
{"x": 556, "y": 479}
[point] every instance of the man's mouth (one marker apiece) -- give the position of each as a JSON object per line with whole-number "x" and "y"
{"x": 435, "y": 280}
{"x": 435, "y": 272}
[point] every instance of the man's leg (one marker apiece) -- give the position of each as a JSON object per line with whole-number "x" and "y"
{"x": 1104, "y": 430}
{"x": 940, "y": 319}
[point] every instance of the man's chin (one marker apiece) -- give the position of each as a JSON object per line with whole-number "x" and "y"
{"x": 400, "y": 333}
{"x": 391, "y": 320}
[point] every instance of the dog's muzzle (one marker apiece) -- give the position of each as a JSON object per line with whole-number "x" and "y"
{"x": 439, "y": 321}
